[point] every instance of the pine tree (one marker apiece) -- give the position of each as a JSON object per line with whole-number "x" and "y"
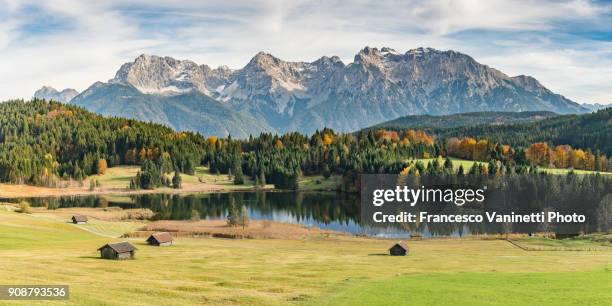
{"x": 492, "y": 167}
{"x": 244, "y": 217}
{"x": 177, "y": 180}
{"x": 460, "y": 172}
{"x": 262, "y": 178}
{"x": 238, "y": 177}
{"x": 326, "y": 171}
{"x": 448, "y": 163}
{"x": 233, "y": 214}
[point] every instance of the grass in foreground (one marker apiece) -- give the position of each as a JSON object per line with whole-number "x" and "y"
{"x": 316, "y": 270}
{"x": 557, "y": 288}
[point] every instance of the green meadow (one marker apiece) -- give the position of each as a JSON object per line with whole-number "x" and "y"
{"x": 120, "y": 176}
{"x": 467, "y": 164}
{"x": 333, "y": 270}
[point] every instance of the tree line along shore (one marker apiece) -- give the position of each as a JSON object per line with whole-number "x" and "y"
{"x": 49, "y": 144}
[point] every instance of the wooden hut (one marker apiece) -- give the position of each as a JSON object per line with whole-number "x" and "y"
{"x": 121, "y": 250}
{"x": 160, "y": 239}
{"x": 398, "y": 249}
{"x": 79, "y": 219}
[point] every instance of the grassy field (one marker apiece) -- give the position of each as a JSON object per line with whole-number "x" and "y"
{"x": 334, "y": 270}
{"x": 467, "y": 164}
{"x": 119, "y": 177}
{"x": 586, "y": 242}
{"x": 473, "y": 288}
{"x": 566, "y": 171}
{"x": 318, "y": 182}
{"x": 116, "y": 181}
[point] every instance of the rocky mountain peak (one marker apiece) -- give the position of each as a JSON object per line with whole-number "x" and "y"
{"x": 47, "y": 89}
{"x": 327, "y": 62}
{"x": 423, "y": 51}
{"x": 379, "y": 85}
{"x": 387, "y": 50}
{"x": 152, "y": 74}
{"x": 264, "y": 67}
{"x": 367, "y": 55}
{"x": 263, "y": 60}
{"x": 50, "y": 93}
{"x": 528, "y": 82}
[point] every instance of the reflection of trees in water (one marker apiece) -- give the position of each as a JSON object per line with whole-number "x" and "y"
{"x": 69, "y": 201}
{"x": 521, "y": 194}
{"x": 320, "y": 207}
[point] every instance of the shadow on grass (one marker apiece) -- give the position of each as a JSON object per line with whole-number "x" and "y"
{"x": 378, "y": 254}
{"x": 91, "y": 257}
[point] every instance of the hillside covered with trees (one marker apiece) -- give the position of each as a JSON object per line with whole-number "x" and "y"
{"x": 589, "y": 131}
{"x": 42, "y": 142}
{"x": 45, "y": 143}
{"x": 430, "y": 122}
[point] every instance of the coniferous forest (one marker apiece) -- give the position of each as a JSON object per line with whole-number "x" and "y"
{"x": 589, "y": 131}
{"x": 43, "y": 143}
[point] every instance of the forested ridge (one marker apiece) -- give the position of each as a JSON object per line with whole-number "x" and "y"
{"x": 45, "y": 143}
{"x": 42, "y": 142}
{"x": 589, "y": 131}
{"x": 431, "y": 122}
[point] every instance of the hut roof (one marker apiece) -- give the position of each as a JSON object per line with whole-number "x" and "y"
{"x": 79, "y": 218}
{"x": 121, "y": 247}
{"x": 401, "y": 245}
{"x": 161, "y": 237}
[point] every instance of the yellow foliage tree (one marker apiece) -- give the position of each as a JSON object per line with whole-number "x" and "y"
{"x": 327, "y": 139}
{"x": 212, "y": 140}
{"x": 102, "y": 166}
{"x": 279, "y": 144}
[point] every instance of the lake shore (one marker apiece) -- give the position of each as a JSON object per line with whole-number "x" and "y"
{"x": 10, "y": 191}
{"x": 135, "y": 222}
{"x": 256, "y": 229}
{"x": 117, "y": 179}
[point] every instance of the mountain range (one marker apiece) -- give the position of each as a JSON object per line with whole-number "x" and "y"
{"x": 596, "y": 106}
{"x": 272, "y": 95}
{"x": 50, "y": 93}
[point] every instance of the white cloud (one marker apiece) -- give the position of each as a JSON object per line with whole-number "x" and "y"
{"x": 106, "y": 34}
{"x": 580, "y": 74}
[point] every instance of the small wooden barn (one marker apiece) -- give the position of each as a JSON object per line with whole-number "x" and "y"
{"x": 160, "y": 239}
{"x": 79, "y": 219}
{"x": 398, "y": 249}
{"x": 121, "y": 250}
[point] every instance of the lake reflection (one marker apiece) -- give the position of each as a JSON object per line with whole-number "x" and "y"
{"x": 325, "y": 210}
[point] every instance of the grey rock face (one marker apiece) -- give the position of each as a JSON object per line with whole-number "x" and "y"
{"x": 280, "y": 96}
{"x": 50, "y": 93}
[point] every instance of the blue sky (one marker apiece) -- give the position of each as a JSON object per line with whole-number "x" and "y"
{"x": 567, "y": 45}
